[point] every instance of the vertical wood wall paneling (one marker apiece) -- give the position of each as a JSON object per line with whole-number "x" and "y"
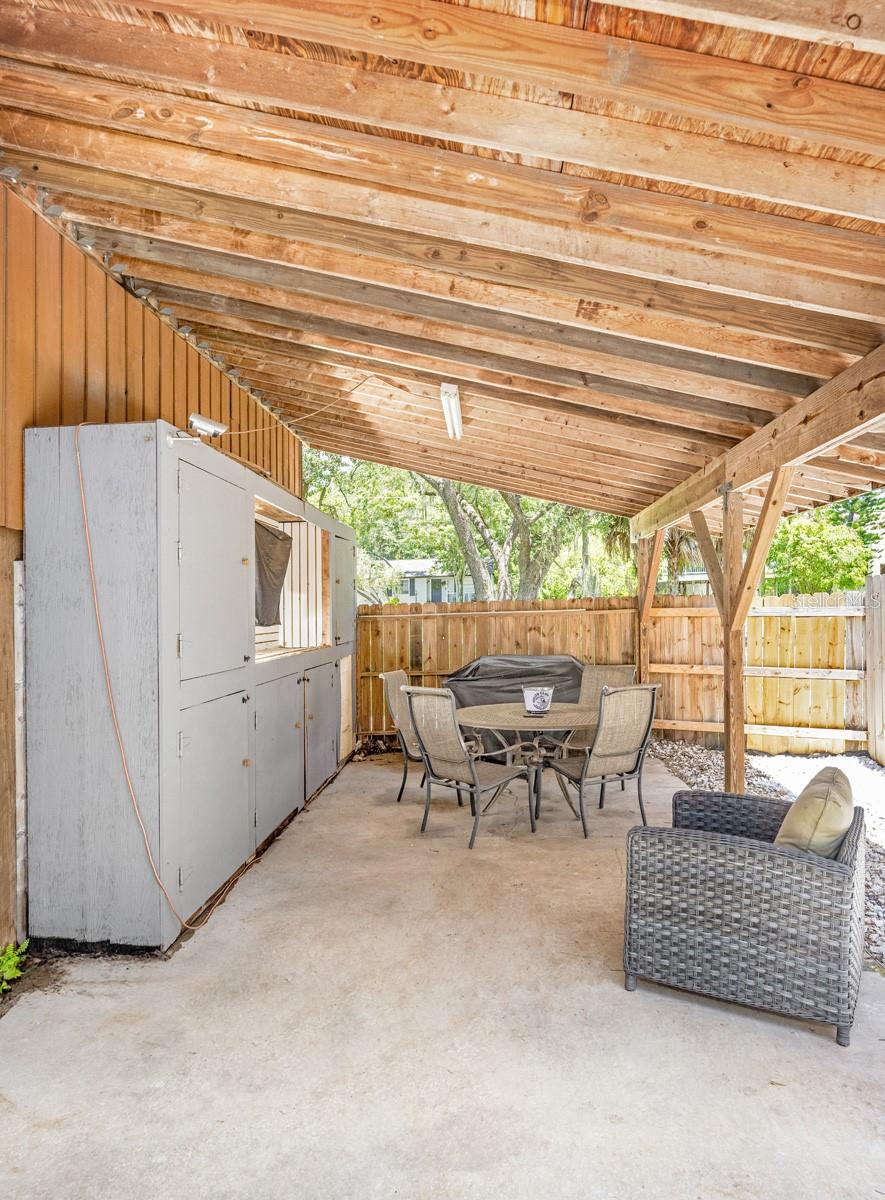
{"x": 75, "y": 346}
{"x": 96, "y": 340}
{"x": 21, "y": 349}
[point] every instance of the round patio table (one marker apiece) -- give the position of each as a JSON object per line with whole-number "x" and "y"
{"x": 513, "y": 716}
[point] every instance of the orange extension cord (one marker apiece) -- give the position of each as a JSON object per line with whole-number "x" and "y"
{"x": 222, "y": 894}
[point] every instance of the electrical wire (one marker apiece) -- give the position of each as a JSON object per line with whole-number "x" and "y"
{"x": 304, "y": 416}
{"x": 112, "y": 705}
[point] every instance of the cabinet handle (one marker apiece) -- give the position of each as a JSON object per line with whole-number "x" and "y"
{"x": 245, "y": 562}
{"x": 297, "y": 724}
{"x": 247, "y": 762}
{"x": 245, "y": 699}
{"x": 310, "y": 716}
{"x": 247, "y": 658}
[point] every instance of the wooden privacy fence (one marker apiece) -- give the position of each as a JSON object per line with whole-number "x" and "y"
{"x": 814, "y": 665}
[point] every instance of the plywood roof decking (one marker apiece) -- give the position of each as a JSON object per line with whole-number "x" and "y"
{"x": 632, "y": 239}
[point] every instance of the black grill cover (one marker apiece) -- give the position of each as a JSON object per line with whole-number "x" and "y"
{"x": 500, "y": 678}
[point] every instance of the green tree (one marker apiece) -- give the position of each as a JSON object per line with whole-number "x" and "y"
{"x": 812, "y": 552}
{"x": 508, "y": 543}
{"x": 864, "y": 514}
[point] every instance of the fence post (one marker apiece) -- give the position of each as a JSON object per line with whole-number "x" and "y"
{"x": 875, "y": 666}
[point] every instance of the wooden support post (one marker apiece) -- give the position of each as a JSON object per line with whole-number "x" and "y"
{"x": 777, "y": 492}
{"x": 648, "y": 564}
{"x": 733, "y": 641}
{"x": 711, "y": 561}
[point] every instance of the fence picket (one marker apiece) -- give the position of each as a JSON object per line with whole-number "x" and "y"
{"x": 836, "y": 642}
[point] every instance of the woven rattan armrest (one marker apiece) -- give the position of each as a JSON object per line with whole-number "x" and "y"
{"x": 687, "y": 855}
{"x": 757, "y": 817}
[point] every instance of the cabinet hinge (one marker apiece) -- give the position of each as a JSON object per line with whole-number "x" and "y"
{"x": 179, "y": 641}
{"x": 178, "y": 544}
{"x": 255, "y": 720}
{"x": 255, "y": 818}
{"x": 180, "y": 744}
{"x": 179, "y": 878}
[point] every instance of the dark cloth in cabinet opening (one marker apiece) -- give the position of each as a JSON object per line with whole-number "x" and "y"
{"x": 273, "y": 549}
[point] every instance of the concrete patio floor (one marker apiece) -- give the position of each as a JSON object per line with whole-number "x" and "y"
{"x": 373, "y": 1013}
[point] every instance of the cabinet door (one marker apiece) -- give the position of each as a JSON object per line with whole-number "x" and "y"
{"x": 215, "y": 818}
{"x": 344, "y": 594}
{"x": 279, "y": 752}
{"x": 323, "y": 718}
{"x": 215, "y": 580}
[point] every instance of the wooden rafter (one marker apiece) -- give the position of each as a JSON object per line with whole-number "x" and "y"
{"x": 805, "y": 20}
{"x": 842, "y": 409}
{"x": 640, "y": 289}
{"x": 405, "y": 105}
{"x": 769, "y": 264}
{"x": 808, "y": 327}
{"x": 655, "y": 331}
{"x": 563, "y": 59}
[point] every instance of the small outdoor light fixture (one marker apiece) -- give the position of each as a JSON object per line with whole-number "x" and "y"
{"x": 451, "y": 406}
{"x": 205, "y": 426}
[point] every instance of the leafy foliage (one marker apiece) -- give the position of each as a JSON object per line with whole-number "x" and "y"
{"x": 12, "y": 959}
{"x": 515, "y": 546}
{"x": 864, "y": 514}
{"x": 817, "y": 552}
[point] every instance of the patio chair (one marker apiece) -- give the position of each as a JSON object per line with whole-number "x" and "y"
{"x": 715, "y": 907}
{"x": 618, "y": 749}
{"x": 448, "y": 762}
{"x": 593, "y": 679}
{"x": 394, "y": 682}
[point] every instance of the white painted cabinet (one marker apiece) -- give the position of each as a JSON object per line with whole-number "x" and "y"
{"x": 279, "y": 752}
{"x": 215, "y": 826}
{"x": 344, "y": 565}
{"x": 215, "y": 548}
{"x": 323, "y": 712}
{"x": 221, "y": 748}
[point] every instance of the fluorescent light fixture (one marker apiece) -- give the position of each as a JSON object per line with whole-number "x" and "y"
{"x": 205, "y": 426}
{"x": 451, "y": 406}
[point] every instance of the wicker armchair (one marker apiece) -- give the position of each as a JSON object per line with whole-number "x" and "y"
{"x": 394, "y": 682}
{"x": 714, "y": 907}
{"x": 449, "y": 762}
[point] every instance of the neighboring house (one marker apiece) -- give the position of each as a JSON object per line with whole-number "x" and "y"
{"x": 423, "y": 581}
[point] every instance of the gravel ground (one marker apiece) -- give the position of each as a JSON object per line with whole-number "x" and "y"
{"x": 786, "y": 775}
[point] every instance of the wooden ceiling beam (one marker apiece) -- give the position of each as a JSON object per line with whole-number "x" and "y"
{"x": 428, "y": 110}
{"x": 653, "y": 333}
{"x": 587, "y": 284}
{"x": 758, "y": 273}
{"x": 453, "y": 363}
{"x": 310, "y": 412}
{"x": 802, "y": 20}
{"x": 842, "y": 409}
{"x": 233, "y": 334}
{"x": 411, "y": 454}
{"x": 560, "y": 58}
{"x": 578, "y": 376}
{"x": 565, "y": 436}
{"x": 615, "y": 357}
{"x": 484, "y": 437}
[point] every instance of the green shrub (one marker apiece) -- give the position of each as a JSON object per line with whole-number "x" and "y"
{"x": 12, "y": 960}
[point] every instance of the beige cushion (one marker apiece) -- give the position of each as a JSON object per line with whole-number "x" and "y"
{"x": 819, "y": 817}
